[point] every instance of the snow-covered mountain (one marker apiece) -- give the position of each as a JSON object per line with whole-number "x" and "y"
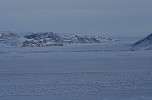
{"x": 42, "y": 39}
{"x": 145, "y": 43}
{"x": 7, "y": 35}
{"x": 85, "y": 39}
{"x": 9, "y": 38}
{"x": 80, "y": 39}
{"x": 47, "y": 39}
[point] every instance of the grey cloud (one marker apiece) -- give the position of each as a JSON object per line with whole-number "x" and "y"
{"x": 95, "y": 16}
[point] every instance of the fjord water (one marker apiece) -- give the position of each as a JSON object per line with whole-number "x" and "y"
{"x": 104, "y": 71}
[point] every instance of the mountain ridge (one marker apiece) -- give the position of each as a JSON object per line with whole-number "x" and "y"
{"x": 47, "y": 39}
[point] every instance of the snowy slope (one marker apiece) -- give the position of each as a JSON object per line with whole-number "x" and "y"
{"x": 145, "y": 43}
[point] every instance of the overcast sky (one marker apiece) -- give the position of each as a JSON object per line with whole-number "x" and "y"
{"x": 112, "y": 17}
